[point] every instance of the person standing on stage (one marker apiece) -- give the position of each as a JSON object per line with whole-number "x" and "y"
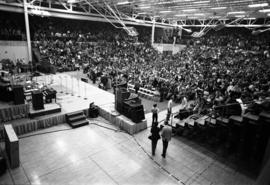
{"x": 155, "y": 136}
{"x": 166, "y": 134}
{"x": 155, "y": 111}
{"x": 137, "y": 86}
{"x": 169, "y": 109}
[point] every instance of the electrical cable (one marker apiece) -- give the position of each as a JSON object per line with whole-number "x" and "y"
{"x": 43, "y": 133}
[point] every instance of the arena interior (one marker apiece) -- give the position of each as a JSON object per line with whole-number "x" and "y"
{"x": 82, "y": 82}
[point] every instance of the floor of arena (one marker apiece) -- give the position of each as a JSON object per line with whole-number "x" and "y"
{"x": 101, "y": 153}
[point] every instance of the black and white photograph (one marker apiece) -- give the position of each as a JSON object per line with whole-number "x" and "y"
{"x": 134, "y": 92}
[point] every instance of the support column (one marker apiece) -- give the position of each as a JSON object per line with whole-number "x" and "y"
{"x": 29, "y": 51}
{"x": 153, "y": 32}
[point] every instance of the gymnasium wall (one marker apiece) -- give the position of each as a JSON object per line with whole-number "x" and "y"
{"x": 13, "y": 50}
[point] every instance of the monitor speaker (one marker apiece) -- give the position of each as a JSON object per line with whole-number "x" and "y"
{"x": 84, "y": 80}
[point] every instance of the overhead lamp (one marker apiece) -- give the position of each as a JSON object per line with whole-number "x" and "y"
{"x": 258, "y": 5}
{"x": 219, "y": 8}
{"x": 40, "y": 12}
{"x": 201, "y": 2}
{"x": 240, "y": 12}
{"x": 264, "y": 10}
{"x": 164, "y": 2}
{"x": 180, "y": 15}
{"x": 144, "y": 7}
{"x": 189, "y": 10}
{"x": 123, "y": 3}
{"x": 199, "y": 14}
{"x": 71, "y": 1}
{"x": 165, "y": 11}
{"x": 141, "y": 13}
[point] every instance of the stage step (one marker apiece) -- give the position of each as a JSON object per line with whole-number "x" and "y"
{"x": 76, "y": 119}
{"x": 79, "y": 123}
{"x": 73, "y": 114}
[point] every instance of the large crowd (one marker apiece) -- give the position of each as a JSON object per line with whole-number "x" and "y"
{"x": 213, "y": 70}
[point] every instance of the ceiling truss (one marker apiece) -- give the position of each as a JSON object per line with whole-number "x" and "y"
{"x": 104, "y": 11}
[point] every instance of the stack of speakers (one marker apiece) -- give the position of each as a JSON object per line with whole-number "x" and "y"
{"x": 37, "y": 100}
{"x": 18, "y": 94}
{"x": 120, "y": 95}
{"x": 134, "y": 111}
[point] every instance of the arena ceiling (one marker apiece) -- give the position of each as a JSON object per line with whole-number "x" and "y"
{"x": 182, "y": 13}
{"x": 195, "y": 9}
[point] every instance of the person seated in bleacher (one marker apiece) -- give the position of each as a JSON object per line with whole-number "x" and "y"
{"x": 184, "y": 110}
{"x": 232, "y": 107}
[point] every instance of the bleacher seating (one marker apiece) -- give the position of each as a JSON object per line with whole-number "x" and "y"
{"x": 244, "y": 136}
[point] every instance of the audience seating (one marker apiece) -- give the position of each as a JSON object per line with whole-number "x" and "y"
{"x": 246, "y": 137}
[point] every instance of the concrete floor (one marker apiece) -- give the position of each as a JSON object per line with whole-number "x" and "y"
{"x": 102, "y": 154}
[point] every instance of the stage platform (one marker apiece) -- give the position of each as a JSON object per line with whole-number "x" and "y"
{"x": 49, "y": 108}
{"x": 77, "y": 95}
{"x": 72, "y": 95}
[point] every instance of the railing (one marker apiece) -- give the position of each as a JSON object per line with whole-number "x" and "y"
{"x": 145, "y": 93}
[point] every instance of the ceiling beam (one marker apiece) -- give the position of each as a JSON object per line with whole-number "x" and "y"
{"x": 62, "y": 13}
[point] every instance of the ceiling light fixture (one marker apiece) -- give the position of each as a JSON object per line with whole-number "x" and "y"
{"x": 201, "y": 2}
{"x": 141, "y": 13}
{"x": 164, "y": 2}
{"x": 123, "y": 3}
{"x": 258, "y": 5}
{"x": 165, "y": 11}
{"x": 264, "y": 10}
{"x": 219, "y": 8}
{"x": 189, "y": 10}
{"x": 199, "y": 14}
{"x": 240, "y": 12}
{"x": 180, "y": 15}
{"x": 144, "y": 7}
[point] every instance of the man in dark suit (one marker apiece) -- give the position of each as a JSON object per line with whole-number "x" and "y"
{"x": 155, "y": 136}
{"x": 166, "y": 134}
